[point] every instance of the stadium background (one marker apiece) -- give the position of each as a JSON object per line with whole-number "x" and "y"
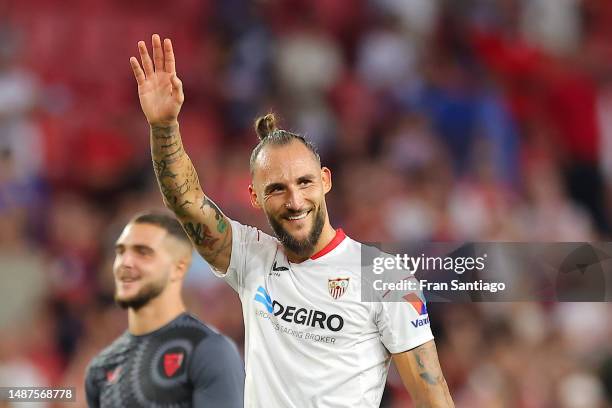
{"x": 441, "y": 120}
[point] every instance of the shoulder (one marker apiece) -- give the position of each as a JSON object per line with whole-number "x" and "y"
{"x": 212, "y": 338}
{"x": 246, "y": 233}
{"x": 215, "y": 354}
{"x": 219, "y": 346}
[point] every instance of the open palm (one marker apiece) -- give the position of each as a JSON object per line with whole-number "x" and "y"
{"x": 159, "y": 89}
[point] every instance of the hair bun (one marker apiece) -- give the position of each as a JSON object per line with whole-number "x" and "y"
{"x": 265, "y": 125}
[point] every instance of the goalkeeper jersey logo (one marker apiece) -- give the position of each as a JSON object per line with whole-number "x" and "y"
{"x": 172, "y": 362}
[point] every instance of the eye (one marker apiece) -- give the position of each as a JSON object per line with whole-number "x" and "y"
{"x": 274, "y": 190}
{"x": 304, "y": 183}
{"x": 143, "y": 251}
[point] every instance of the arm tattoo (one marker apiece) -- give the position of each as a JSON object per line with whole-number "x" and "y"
{"x": 430, "y": 372}
{"x": 200, "y": 234}
{"x": 166, "y": 143}
{"x": 219, "y": 217}
{"x": 424, "y": 374}
{"x": 180, "y": 187}
{"x": 162, "y": 170}
{"x": 175, "y": 173}
{"x": 225, "y": 244}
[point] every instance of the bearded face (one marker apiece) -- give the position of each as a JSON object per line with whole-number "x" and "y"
{"x": 142, "y": 265}
{"x": 290, "y": 186}
{"x": 312, "y": 221}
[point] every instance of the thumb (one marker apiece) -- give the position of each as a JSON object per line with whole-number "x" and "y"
{"x": 176, "y": 83}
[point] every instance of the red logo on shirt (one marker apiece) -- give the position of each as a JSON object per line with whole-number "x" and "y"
{"x": 416, "y": 303}
{"x": 337, "y": 287}
{"x": 113, "y": 375}
{"x": 172, "y": 362}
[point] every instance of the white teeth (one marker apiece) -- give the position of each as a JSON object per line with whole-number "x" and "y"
{"x": 298, "y": 217}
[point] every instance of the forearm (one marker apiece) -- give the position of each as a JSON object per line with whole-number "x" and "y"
{"x": 421, "y": 374}
{"x": 434, "y": 390}
{"x": 176, "y": 175}
{"x": 204, "y": 223}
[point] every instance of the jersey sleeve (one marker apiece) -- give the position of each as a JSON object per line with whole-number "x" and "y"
{"x": 403, "y": 324}
{"x": 248, "y": 243}
{"x": 218, "y": 374}
{"x": 92, "y": 393}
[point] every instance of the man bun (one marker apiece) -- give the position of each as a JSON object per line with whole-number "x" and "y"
{"x": 265, "y": 125}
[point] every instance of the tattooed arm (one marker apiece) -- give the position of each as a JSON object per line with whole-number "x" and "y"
{"x": 422, "y": 376}
{"x": 161, "y": 97}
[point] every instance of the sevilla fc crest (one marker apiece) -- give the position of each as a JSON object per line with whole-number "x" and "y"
{"x": 172, "y": 362}
{"x": 337, "y": 287}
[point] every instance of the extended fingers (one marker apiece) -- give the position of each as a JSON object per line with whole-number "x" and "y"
{"x": 158, "y": 53}
{"x": 138, "y": 72}
{"x": 147, "y": 64}
{"x": 169, "y": 56}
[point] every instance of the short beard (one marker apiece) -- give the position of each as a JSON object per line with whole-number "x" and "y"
{"x": 306, "y": 246}
{"x": 144, "y": 296}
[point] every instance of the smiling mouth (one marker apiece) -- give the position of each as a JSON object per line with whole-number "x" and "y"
{"x": 128, "y": 280}
{"x": 298, "y": 216}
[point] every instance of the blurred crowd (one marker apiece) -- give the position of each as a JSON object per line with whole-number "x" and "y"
{"x": 471, "y": 120}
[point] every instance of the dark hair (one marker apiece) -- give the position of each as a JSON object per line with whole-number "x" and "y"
{"x": 270, "y": 134}
{"x": 165, "y": 221}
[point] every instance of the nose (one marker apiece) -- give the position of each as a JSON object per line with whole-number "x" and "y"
{"x": 124, "y": 261}
{"x": 295, "y": 199}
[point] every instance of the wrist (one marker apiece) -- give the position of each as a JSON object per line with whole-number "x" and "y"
{"x": 164, "y": 124}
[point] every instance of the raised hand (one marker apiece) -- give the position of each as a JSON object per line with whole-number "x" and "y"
{"x": 159, "y": 89}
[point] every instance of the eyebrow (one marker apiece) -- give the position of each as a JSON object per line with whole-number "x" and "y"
{"x": 307, "y": 177}
{"x": 136, "y": 247}
{"x": 268, "y": 189}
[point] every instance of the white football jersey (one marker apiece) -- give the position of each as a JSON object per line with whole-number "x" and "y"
{"x": 309, "y": 339}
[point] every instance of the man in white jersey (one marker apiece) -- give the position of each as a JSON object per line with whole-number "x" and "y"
{"x": 310, "y": 340}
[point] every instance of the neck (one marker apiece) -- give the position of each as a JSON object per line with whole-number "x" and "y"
{"x": 155, "y": 314}
{"x": 327, "y": 234}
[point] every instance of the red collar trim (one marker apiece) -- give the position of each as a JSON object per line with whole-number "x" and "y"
{"x": 338, "y": 238}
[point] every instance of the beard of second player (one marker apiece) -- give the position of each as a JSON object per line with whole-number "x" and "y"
{"x": 303, "y": 247}
{"x": 147, "y": 293}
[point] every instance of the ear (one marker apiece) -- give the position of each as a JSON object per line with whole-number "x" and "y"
{"x": 180, "y": 270}
{"x": 253, "y": 197}
{"x": 326, "y": 179}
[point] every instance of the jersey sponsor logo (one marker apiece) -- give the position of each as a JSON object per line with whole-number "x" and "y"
{"x": 337, "y": 287}
{"x": 113, "y": 375}
{"x": 263, "y": 298}
{"x": 420, "y": 322}
{"x": 420, "y": 308}
{"x": 299, "y": 315}
{"x": 276, "y": 270}
{"x": 416, "y": 303}
{"x": 279, "y": 268}
{"x": 172, "y": 362}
